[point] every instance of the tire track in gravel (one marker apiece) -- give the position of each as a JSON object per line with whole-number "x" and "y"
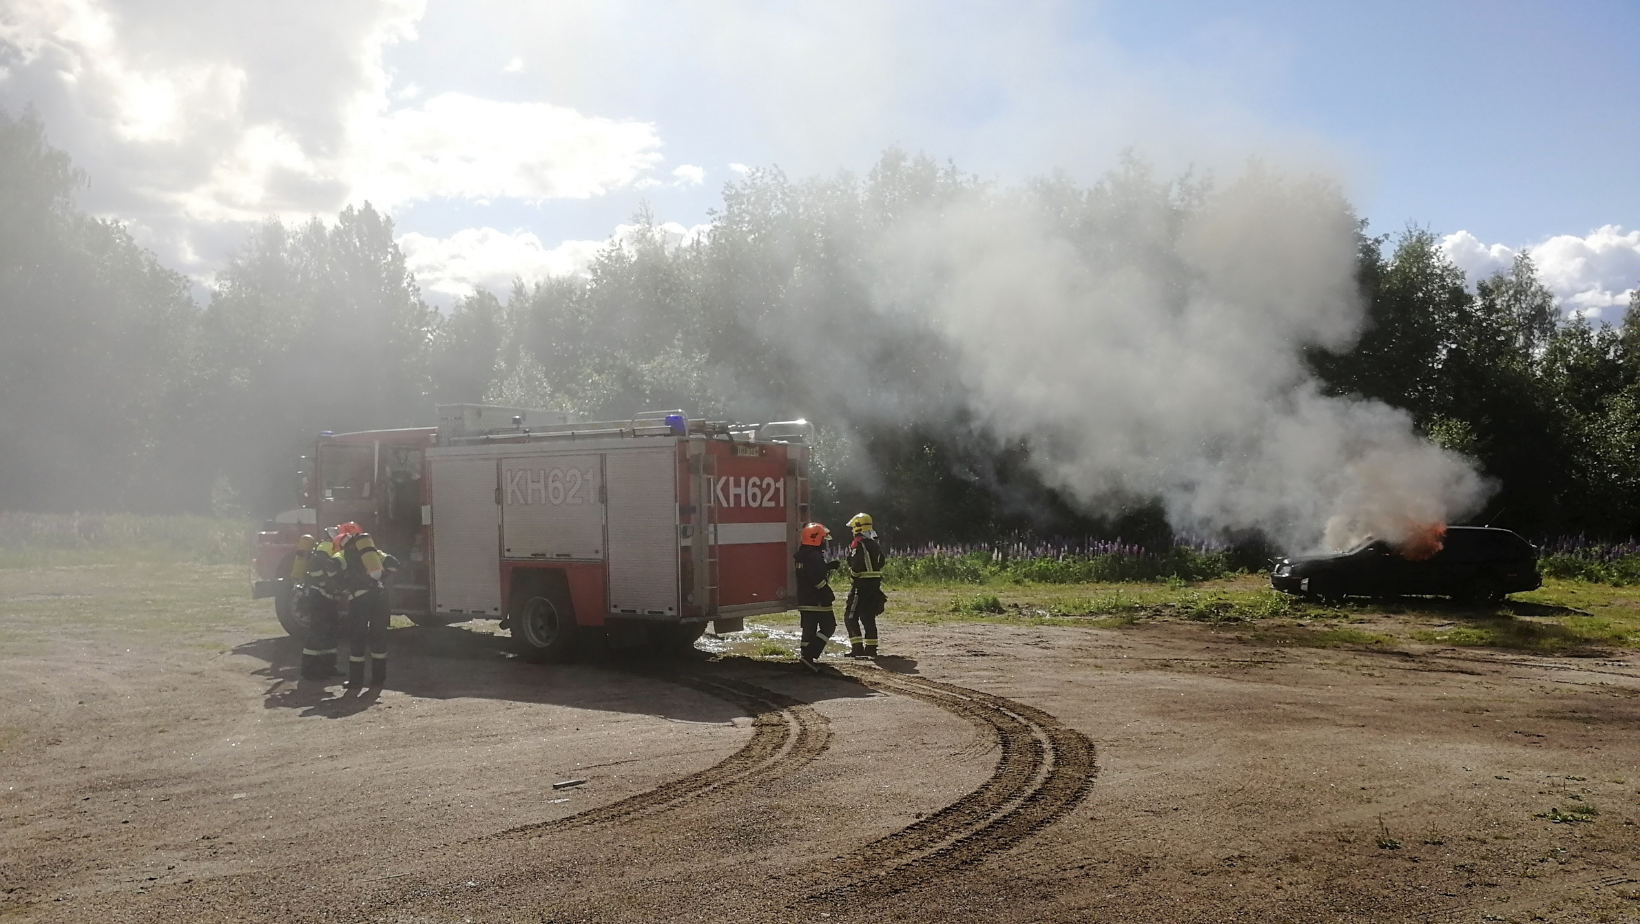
{"x": 786, "y": 734}
{"x": 1044, "y": 771}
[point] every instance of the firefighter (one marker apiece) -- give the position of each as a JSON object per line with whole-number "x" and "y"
{"x": 363, "y": 568}
{"x": 312, "y": 569}
{"x": 865, "y": 596}
{"x": 814, "y": 594}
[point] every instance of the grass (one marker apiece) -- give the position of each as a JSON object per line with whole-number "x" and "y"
{"x": 978, "y": 603}
{"x": 196, "y": 603}
{"x": 771, "y": 649}
{"x": 1577, "y": 814}
{"x": 198, "y": 565}
{"x": 1181, "y": 564}
{"x": 1564, "y": 617}
{"x": 33, "y": 540}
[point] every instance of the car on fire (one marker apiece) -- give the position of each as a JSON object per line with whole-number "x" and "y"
{"x": 1477, "y": 564}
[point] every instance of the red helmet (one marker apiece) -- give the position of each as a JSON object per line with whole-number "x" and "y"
{"x": 341, "y": 535}
{"x": 815, "y": 534}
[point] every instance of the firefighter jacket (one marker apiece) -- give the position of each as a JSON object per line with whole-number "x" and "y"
{"x": 813, "y": 588}
{"x": 865, "y": 566}
{"x": 324, "y": 570}
{"x": 364, "y": 565}
{"x": 865, "y": 559}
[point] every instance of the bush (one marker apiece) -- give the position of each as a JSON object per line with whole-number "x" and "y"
{"x": 39, "y": 539}
{"x": 980, "y": 567}
{"x": 979, "y": 604}
{"x": 1618, "y": 571}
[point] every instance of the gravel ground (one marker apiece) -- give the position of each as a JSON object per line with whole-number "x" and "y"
{"x": 159, "y": 761}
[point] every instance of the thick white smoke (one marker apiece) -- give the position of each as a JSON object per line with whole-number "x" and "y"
{"x": 1154, "y": 348}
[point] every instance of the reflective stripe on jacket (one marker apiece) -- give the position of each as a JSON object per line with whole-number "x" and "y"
{"x": 813, "y": 588}
{"x": 865, "y": 558}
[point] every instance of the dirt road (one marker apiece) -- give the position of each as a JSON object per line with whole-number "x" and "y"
{"x": 159, "y": 762}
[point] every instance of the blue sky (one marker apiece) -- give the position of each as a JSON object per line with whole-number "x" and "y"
{"x": 497, "y": 131}
{"x": 1515, "y": 121}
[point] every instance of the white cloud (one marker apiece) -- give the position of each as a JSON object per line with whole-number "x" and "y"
{"x": 464, "y": 147}
{"x": 473, "y": 258}
{"x": 486, "y": 258}
{"x": 1591, "y": 275}
{"x": 515, "y": 66}
{"x": 188, "y": 116}
{"x": 1476, "y": 259}
{"x": 1596, "y": 271}
{"x": 689, "y": 175}
{"x": 741, "y": 169}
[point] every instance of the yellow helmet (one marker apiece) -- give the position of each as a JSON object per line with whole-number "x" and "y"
{"x": 860, "y": 523}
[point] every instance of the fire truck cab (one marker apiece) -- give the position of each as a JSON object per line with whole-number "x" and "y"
{"x": 569, "y": 533}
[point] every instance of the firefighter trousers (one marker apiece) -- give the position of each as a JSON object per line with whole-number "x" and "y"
{"x": 321, "y": 621}
{"x": 366, "y": 622}
{"x": 818, "y": 624}
{"x": 865, "y": 603}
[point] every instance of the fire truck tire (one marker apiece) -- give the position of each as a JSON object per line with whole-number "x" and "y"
{"x": 543, "y": 629}
{"x": 293, "y": 614}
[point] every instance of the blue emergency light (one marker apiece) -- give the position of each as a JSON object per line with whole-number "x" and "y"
{"x": 678, "y": 424}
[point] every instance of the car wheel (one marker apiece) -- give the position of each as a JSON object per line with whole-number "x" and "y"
{"x": 1483, "y": 591}
{"x": 1324, "y": 590}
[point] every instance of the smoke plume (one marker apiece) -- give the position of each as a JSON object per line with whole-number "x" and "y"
{"x": 1154, "y": 347}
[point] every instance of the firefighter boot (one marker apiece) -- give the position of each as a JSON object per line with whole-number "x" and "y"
{"x": 378, "y": 670}
{"x": 325, "y": 665}
{"x": 310, "y": 666}
{"x": 858, "y": 651}
{"x": 355, "y": 674}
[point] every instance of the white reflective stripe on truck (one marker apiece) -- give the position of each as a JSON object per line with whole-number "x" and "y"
{"x": 739, "y": 534}
{"x": 750, "y": 533}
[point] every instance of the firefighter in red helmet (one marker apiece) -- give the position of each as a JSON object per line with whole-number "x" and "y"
{"x": 814, "y": 594}
{"x": 865, "y": 596}
{"x": 364, "y": 568}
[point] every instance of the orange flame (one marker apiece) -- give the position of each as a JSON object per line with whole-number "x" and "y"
{"x": 1422, "y": 542}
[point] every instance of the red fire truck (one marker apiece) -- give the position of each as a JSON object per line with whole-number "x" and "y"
{"x": 568, "y": 532}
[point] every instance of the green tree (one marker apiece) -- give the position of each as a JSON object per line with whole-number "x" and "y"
{"x": 93, "y": 356}
{"x": 320, "y": 327}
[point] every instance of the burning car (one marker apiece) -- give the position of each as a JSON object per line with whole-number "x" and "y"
{"x": 1471, "y": 563}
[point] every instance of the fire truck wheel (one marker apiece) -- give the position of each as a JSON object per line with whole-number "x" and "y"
{"x": 293, "y": 614}
{"x": 543, "y": 629}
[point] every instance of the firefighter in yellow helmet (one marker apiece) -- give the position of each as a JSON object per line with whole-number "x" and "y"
{"x": 814, "y": 594}
{"x": 311, "y": 571}
{"x": 363, "y": 569}
{"x": 865, "y": 596}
